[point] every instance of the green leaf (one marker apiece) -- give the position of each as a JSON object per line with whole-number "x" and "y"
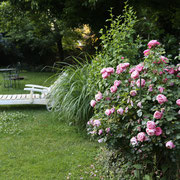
{"x": 138, "y": 166}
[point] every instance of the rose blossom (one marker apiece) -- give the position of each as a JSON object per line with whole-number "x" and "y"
{"x": 178, "y": 102}
{"x": 122, "y": 57}
{"x": 179, "y": 112}
{"x": 110, "y": 70}
{"x": 158, "y": 115}
{"x": 126, "y": 109}
{"x": 113, "y": 89}
{"x": 132, "y": 70}
{"x": 98, "y": 96}
{"x": 101, "y": 140}
{"x": 135, "y": 74}
{"x": 153, "y": 43}
{"x": 139, "y": 67}
{"x": 132, "y": 83}
{"x": 158, "y": 131}
{"x": 133, "y": 92}
{"x": 120, "y": 111}
{"x": 161, "y": 98}
{"x": 139, "y": 104}
{"x": 146, "y": 52}
{"x": 112, "y": 110}
{"x": 170, "y": 145}
{"x": 143, "y": 82}
{"x": 161, "y": 89}
{"x": 96, "y": 123}
{"x": 107, "y": 130}
{"x": 150, "y": 88}
{"x": 93, "y": 103}
{"x": 105, "y": 75}
{"x": 141, "y": 136}
{"x": 151, "y": 125}
{"x": 108, "y": 112}
{"x": 117, "y": 83}
{"x": 164, "y": 59}
{"x": 150, "y": 132}
{"x": 100, "y": 131}
{"x": 133, "y": 141}
{"x": 103, "y": 70}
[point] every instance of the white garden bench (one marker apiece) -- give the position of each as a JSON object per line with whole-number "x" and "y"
{"x": 32, "y": 98}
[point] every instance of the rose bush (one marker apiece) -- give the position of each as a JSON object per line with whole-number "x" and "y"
{"x": 138, "y": 115}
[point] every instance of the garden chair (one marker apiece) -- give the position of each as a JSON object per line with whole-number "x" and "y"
{"x": 38, "y": 95}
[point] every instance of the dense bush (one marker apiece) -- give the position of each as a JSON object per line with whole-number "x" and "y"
{"x": 118, "y": 43}
{"x": 137, "y": 115}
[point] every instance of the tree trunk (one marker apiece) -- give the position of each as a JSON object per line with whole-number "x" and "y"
{"x": 60, "y": 48}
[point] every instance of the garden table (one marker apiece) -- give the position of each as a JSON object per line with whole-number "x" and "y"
{"x": 7, "y": 73}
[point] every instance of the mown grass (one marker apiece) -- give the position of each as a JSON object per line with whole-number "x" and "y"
{"x": 41, "y": 147}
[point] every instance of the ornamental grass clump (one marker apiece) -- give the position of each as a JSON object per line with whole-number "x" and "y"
{"x": 137, "y": 113}
{"x": 70, "y": 96}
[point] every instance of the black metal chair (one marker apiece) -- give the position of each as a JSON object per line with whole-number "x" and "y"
{"x": 12, "y": 78}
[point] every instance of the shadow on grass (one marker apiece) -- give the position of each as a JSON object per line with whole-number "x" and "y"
{"x": 23, "y": 108}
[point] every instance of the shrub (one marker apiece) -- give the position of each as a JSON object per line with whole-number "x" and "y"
{"x": 118, "y": 43}
{"x": 137, "y": 114}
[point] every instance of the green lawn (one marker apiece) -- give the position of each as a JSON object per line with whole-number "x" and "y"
{"x": 35, "y": 145}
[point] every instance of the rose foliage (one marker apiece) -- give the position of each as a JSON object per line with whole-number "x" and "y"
{"x": 137, "y": 115}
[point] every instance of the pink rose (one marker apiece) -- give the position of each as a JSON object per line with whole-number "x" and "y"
{"x": 132, "y": 83}
{"x": 153, "y": 43}
{"x": 126, "y": 109}
{"x": 103, "y": 70}
{"x": 170, "y": 145}
{"x": 113, "y": 89}
{"x": 117, "y": 83}
{"x": 179, "y": 112}
{"x": 100, "y": 131}
{"x": 151, "y": 125}
{"x": 139, "y": 67}
{"x": 93, "y": 103}
{"x": 120, "y": 111}
{"x": 161, "y": 98}
{"x": 133, "y": 141}
{"x": 150, "y": 132}
{"x": 133, "y": 92}
{"x": 132, "y": 104}
{"x": 135, "y": 74}
{"x": 164, "y": 59}
{"x": 158, "y": 115}
{"x": 110, "y": 70}
{"x": 108, "y": 112}
{"x": 143, "y": 82}
{"x": 132, "y": 70}
{"x": 150, "y": 88}
{"x": 98, "y": 96}
{"x": 146, "y": 52}
{"x": 105, "y": 75}
{"x": 171, "y": 71}
{"x": 141, "y": 136}
{"x": 161, "y": 89}
{"x": 122, "y": 57}
{"x": 125, "y": 65}
{"x": 107, "y": 130}
{"x": 96, "y": 123}
{"x": 101, "y": 140}
{"x": 158, "y": 131}
{"x": 112, "y": 110}
{"x": 139, "y": 104}
{"x": 178, "y": 102}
